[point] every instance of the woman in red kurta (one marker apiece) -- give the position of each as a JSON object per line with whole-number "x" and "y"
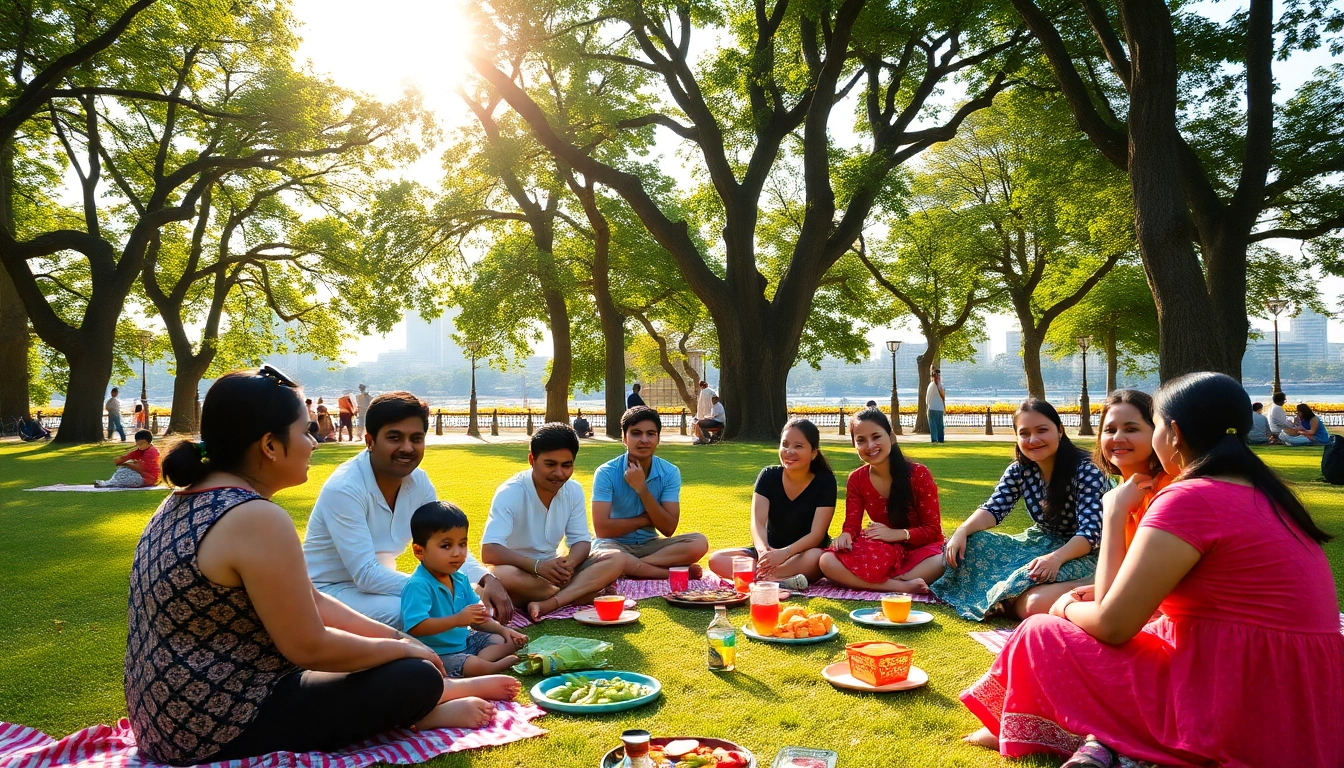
{"x": 901, "y": 549}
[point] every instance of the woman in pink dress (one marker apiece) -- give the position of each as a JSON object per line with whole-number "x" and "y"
{"x": 901, "y": 550}
{"x": 1245, "y": 666}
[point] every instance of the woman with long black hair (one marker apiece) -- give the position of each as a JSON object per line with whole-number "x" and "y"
{"x": 901, "y": 548}
{"x": 791, "y": 508}
{"x": 1026, "y": 573}
{"x": 1244, "y": 666}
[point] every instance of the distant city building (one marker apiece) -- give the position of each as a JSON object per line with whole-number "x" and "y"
{"x": 429, "y": 345}
{"x": 1309, "y": 328}
{"x": 1012, "y": 344}
{"x": 982, "y": 353}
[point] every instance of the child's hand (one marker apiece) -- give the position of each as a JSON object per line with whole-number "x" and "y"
{"x": 473, "y": 614}
{"x": 518, "y": 639}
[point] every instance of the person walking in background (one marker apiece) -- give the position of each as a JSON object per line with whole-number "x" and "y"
{"x": 362, "y": 401}
{"x": 346, "y": 411}
{"x": 935, "y": 403}
{"x": 1310, "y": 426}
{"x": 139, "y": 417}
{"x": 1280, "y": 428}
{"x": 633, "y": 400}
{"x": 704, "y": 402}
{"x": 1259, "y": 434}
{"x": 113, "y": 408}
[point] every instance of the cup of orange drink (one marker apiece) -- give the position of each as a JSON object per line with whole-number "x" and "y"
{"x": 896, "y": 608}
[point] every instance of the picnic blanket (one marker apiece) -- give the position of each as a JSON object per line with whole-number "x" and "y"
{"x": 827, "y": 588}
{"x": 104, "y": 746}
{"x": 88, "y": 488}
{"x": 995, "y": 639}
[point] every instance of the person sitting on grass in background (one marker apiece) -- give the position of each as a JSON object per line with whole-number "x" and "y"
{"x": 438, "y": 605}
{"x": 901, "y": 549}
{"x": 791, "y": 510}
{"x": 138, "y": 468}
{"x": 581, "y": 425}
{"x": 31, "y": 429}
{"x": 1259, "y": 434}
{"x": 1281, "y": 429}
{"x": 637, "y": 496}
{"x": 1310, "y": 426}
{"x": 529, "y": 514}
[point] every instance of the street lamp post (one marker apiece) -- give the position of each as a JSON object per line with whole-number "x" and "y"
{"x": 144, "y": 337}
{"x": 892, "y": 346}
{"x": 1084, "y": 405}
{"x": 473, "y": 425}
{"x": 1276, "y": 307}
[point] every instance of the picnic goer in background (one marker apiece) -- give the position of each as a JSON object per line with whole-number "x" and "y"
{"x": 870, "y": 404}
{"x": 1280, "y": 428}
{"x": 529, "y": 514}
{"x": 312, "y": 417}
{"x": 901, "y": 549}
{"x": 1310, "y": 426}
{"x": 325, "y": 430}
{"x": 935, "y": 403}
{"x": 715, "y": 420}
{"x": 1259, "y": 434}
{"x": 1026, "y": 573}
{"x": 438, "y": 605}
{"x": 362, "y": 401}
{"x": 113, "y": 408}
{"x": 137, "y": 468}
{"x": 1246, "y": 663}
{"x": 633, "y": 399}
{"x": 581, "y": 425}
{"x": 362, "y": 519}
{"x": 704, "y": 402}
{"x": 140, "y": 422}
{"x": 791, "y": 509}
{"x": 636, "y": 497}
{"x": 31, "y": 429}
{"x": 230, "y": 652}
{"x": 346, "y": 410}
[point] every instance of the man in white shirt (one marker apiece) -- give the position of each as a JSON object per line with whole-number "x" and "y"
{"x": 1280, "y": 427}
{"x": 113, "y": 408}
{"x": 529, "y": 514}
{"x": 362, "y": 401}
{"x": 713, "y": 420}
{"x": 362, "y": 519}
{"x": 704, "y": 402}
{"x": 935, "y": 403}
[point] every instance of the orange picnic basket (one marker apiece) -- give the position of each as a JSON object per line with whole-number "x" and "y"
{"x": 879, "y": 663}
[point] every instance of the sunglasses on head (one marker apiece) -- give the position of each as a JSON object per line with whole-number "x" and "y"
{"x": 276, "y": 375}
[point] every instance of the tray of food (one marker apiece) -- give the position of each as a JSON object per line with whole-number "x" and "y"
{"x": 793, "y": 626}
{"x": 682, "y": 752}
{"x": 695, "y": 598}
{"x": 595, "y": 692}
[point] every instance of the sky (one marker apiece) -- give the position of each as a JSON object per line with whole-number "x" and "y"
{"x": 419, "y": 42}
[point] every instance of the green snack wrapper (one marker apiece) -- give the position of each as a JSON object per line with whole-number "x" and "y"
{"x": 550, "y": 654}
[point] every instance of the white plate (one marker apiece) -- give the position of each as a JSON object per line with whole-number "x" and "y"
{"x": 838, "y": 675}
{"x": 589, "y": 616}
{"x": 750, "y": 631}
{"x": 874, "y": 617}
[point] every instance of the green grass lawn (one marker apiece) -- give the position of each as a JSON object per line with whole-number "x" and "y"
{"x": 63, "y": 585}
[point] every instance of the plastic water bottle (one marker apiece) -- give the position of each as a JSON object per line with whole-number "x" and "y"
{"x": 722, "y": 642}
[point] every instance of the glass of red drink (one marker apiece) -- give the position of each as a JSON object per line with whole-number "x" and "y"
{"x": 744, "y": 573}
{"x": 679, "y": 578}
{"x": 609, "y": 607}
{"x": 764, "y": 607}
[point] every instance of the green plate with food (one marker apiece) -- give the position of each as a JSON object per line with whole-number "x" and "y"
{"x": 682, "y": 752}
{"x": 595, "y": 692}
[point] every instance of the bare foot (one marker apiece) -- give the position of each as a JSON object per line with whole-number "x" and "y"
{"x": 695, "y": 571}
{"x": 538, "y": 609}
{"x": 913, "y": 586}
{"x": 470, "y": 712}
{"x": 492, "y": 687}
{"x": 982, "y": 738}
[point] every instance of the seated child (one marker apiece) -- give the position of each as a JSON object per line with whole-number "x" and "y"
{"x": 138, "y": 468}
{"x": 438, "y": 605}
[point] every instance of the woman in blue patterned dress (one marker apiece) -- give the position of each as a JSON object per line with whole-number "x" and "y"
{"x": 1061, "y": 489}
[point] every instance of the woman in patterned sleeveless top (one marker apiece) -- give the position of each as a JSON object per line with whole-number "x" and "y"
{"x": 231, "y": 652}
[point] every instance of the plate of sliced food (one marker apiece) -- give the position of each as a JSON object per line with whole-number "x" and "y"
{"x": 795, "y": 627}
{"x": 683, "y": 752}
{"x": 697, "y": 598}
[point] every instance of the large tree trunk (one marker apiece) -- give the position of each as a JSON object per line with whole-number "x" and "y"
{"x": 186, "y": 386}
{"x": 14, "y": 341}
{"x": 1031, "y": 361}
{"x": 1112, "y": 362}
{"x": 562, "y": 359}
{"x": 753, "y": 378}
{"x": 926, "y": 364}
{"x": 609, "y": 317}
{"x": 90, "y": 371}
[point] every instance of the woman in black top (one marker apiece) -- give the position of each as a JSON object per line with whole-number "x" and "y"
{"x": 791, "y": 511}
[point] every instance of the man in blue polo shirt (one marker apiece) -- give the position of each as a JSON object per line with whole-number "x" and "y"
{"x": 636, "y": 497}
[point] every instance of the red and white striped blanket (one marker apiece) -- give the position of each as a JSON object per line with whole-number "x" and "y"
{"x": 104, "y": 746}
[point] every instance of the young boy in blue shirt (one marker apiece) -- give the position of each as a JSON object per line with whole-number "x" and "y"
{"x": 438, "y": 605}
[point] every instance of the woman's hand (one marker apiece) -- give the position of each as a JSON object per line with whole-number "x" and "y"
{"x": 1127, "y": 496}
{"x": 883, "y": 533}
{"x": 844, "y": 542}
{"x": 1045, "y": 568}
{"x": 771, "y": 560}
{"x": 1084, "y": 594}
{"x": 417, "y": 650}
{"x": 954, "y": 550}
{"x": 1062, "y": 604}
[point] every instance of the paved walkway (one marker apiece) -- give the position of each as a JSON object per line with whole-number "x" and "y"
{"x": 673, "y": 436}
